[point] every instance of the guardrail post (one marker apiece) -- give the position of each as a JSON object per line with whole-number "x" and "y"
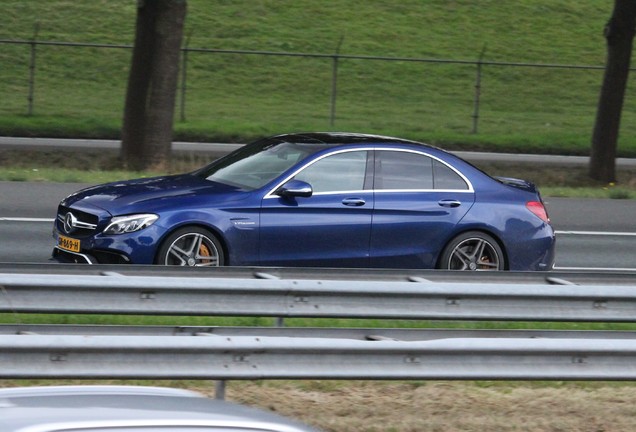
{"x": 219, "y": 389}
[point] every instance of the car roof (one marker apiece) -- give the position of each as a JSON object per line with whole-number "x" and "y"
{"x": 343, "y": 138}
{"x": 65, "y": 408}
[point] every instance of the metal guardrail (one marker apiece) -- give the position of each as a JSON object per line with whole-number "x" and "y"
{"x": 555, "y": 277}
{"x": 256, "y": 357}
{"x": 418, "y": 299}
{"x": 156, "y": 352}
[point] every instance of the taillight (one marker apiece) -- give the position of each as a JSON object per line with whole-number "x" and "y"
{"x": 538, "y": 209}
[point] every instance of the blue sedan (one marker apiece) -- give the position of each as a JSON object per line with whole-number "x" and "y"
{"x": 314, "y": 200}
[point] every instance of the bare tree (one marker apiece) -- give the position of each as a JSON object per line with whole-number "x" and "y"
{"x": 152, "y": 84}
{"x": 619, "y": 33}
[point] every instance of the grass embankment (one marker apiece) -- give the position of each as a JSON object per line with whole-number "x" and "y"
{"x": 80, "y": 91}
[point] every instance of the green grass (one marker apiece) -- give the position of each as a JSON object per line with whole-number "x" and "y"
{"x": 80, "y": 91}
{"x": 588, "y": 192}
{"x": 67, "y": 175}
{"x": 130, "y": 320}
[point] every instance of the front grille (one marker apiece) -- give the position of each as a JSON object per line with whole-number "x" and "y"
{"x": 81, "y": 224}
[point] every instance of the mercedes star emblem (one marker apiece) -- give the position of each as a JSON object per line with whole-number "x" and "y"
{"x": 69, "y": 223}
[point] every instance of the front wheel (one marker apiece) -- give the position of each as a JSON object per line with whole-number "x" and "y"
{"x": 472, "y": 251}
{"x": 191, "y": 246}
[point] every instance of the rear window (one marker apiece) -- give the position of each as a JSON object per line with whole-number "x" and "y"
{"x": 400, "y": 170}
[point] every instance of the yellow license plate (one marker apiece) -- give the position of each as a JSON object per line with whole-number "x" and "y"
{"x": 68, "y": 243}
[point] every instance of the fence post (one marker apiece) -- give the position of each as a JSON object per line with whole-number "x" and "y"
{"x": 184, "y": 70}
{"x": 334, "y": 82}
{"x": 33, "y": 44}
{"x": 478, "y": 90}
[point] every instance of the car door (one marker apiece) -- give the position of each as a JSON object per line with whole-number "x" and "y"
{"x": 332, "y": 227}
{"x": 418, "y": 202}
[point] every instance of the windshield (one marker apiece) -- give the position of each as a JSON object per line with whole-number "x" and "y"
{"x": 256, "y": 164}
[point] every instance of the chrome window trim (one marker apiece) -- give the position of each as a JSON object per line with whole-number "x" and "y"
{"x": 92, "y": 425}
{"x": 94, "y": 390}
{"x": 342, "y": 192}
{"x": 380, "y": 191}
{"x": 271, "y": 194}
{"x": 470, "y": 189}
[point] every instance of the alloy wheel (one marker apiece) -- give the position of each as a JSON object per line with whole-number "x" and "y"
{"x": 475, "y": 254}
{"x": 193, "y": 250}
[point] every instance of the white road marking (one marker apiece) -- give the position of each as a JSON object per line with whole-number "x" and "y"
{"x": 18, "y": 219}
{"x": 599, "y": 269}
{"x": 598, "y": 233}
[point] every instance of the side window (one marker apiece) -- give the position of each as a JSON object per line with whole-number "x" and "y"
{"x": 340, "y": 172}
{"x": 402, "y": 170}
{"x": 446, "y": 178}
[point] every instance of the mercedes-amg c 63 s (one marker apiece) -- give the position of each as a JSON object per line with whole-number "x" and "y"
{"x": 314, "y": 199}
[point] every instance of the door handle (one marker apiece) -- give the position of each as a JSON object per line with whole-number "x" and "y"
{"x": 353, "y": 202}
{"x": 449, "y": 203}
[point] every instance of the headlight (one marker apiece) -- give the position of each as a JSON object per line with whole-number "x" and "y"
{"x": 128, "y": 224}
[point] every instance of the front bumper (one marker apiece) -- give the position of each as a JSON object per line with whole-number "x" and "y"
{"x": 137, "y": 248}
{"x": 99, "y": 257}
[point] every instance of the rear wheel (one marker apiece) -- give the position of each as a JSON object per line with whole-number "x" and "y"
{"x": 193, "y": 247}
{"x": 472, "y": 251}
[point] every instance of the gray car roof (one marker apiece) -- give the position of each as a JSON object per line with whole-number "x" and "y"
{"x": 68, "y": 408}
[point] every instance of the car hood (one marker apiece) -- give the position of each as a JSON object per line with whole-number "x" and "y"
{"x": 148, "y": 195}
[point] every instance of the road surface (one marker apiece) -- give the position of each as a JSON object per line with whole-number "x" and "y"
{"x": 591, "y": 233}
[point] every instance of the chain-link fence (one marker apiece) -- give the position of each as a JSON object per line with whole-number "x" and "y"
{"x": 317, "y": 91}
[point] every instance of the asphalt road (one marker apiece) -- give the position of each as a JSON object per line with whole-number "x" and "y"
{"x": 592, "y": 234}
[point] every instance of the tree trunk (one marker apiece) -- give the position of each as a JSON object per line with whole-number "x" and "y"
{"x": 619, "y": 33}
{"x": 152, "y": 84}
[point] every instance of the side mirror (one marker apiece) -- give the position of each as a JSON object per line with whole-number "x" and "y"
{"x": 295, "y": 188}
